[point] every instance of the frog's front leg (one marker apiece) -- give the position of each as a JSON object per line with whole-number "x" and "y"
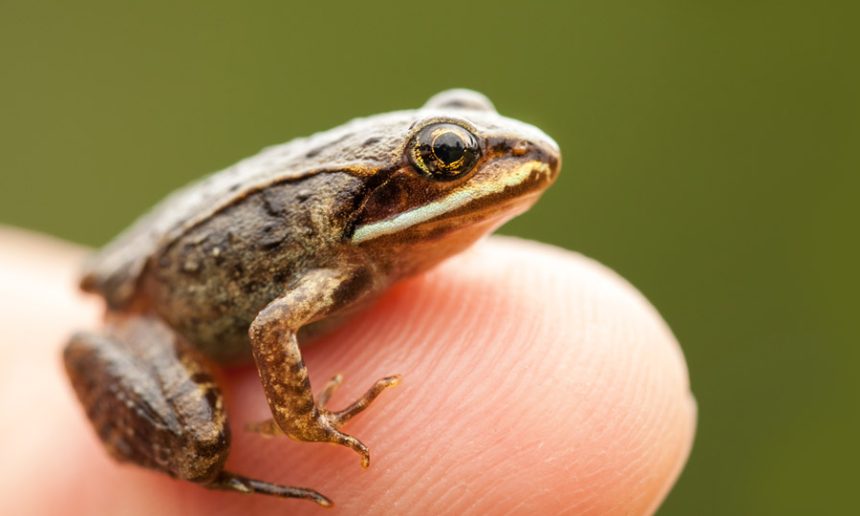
{"x": 283, "y": 372}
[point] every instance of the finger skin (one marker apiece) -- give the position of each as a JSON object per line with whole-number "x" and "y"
{"x": 534, "y": 381}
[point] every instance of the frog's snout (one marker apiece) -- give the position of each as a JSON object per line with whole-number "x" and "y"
{"x": 540, "y": 151}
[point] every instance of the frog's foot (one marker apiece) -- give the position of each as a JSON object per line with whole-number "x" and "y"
{"x": 324, "y": 425}
{"x": 269, "y": 428}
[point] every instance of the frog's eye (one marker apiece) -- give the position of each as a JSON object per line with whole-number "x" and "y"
{"x": 444, "y": 151}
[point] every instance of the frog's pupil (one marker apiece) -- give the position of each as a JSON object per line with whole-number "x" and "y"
{"x": 449, "y": 147}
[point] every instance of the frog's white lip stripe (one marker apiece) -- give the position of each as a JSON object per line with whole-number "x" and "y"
{"x": 454, "y": 200}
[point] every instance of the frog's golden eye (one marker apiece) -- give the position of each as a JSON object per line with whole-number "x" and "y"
{"x": 444, "y": 151}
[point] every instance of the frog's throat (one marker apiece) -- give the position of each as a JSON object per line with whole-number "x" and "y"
{"x": 453, "y": 201}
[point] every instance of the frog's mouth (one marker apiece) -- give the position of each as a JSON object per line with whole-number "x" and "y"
{"x": 500, "y": 194}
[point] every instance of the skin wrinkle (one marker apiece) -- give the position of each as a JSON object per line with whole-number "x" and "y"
{"x": 578, "y": 460}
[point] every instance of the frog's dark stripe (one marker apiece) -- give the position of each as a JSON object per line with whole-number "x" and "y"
{"x": 457, "y": 199}
{"x": 377, "y": 180}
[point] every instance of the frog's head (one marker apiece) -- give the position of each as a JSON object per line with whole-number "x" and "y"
{"x": 458, "y": 171}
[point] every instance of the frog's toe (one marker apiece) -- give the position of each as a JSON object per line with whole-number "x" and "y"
{"x": 267, "y": 428}
{"x": 354, "y": 444}
{"x": 329, "y": 389}
{"x": 232, "y": 482}
{"x": 322, "y": 425}
{"x": 342, "y": 416}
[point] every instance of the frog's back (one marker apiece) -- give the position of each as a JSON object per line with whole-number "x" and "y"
{"x": 114, "y": 271}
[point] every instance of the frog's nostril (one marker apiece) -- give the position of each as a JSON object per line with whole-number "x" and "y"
{"x": 520, "y": 148}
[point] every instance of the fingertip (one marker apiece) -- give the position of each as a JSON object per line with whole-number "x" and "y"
{"x": 533, "y": 378}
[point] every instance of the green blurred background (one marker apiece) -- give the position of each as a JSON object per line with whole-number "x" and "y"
{"x": 711, "y": 156}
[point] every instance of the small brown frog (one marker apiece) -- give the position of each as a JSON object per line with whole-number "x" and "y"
{"x": 295, "y": 238}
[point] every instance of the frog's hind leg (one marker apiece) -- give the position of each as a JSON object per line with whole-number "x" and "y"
{"x": 153, "y": 402}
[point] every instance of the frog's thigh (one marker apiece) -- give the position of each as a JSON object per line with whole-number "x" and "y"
{"x": 283, "y": 372}
{"x": 153, "y": 402}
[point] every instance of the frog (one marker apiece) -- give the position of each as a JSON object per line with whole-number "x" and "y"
{"x": 243, "y": 265}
